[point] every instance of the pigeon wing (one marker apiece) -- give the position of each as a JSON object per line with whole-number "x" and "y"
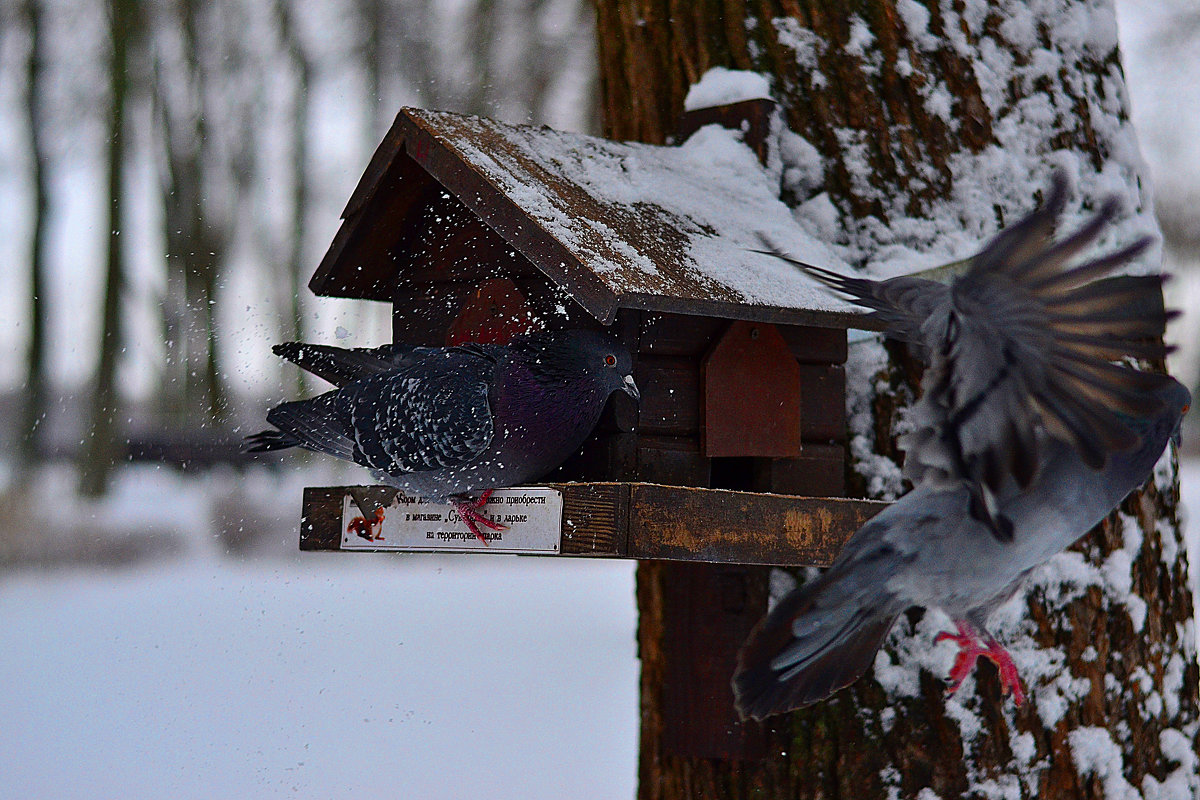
{"x": 433, "y": 413}
{"x": 903, "y": 306}
{"x": 1026, "y": 344}
{"x": 1021, "y": 342}
{"x": 341, "y": 366}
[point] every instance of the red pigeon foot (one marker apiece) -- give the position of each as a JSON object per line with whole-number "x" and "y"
{"x": 971, "y": 647}
{"x": 469, "y": 512}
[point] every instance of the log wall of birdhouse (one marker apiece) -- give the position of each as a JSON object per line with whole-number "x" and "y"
{"x": 445, "y": 259}
{"x": 660, "y": 439}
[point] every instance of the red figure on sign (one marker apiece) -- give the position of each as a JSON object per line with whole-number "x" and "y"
{"x": 366, "y": 528}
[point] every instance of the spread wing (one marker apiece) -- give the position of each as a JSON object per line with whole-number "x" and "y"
{"x": 1021, "y": 343}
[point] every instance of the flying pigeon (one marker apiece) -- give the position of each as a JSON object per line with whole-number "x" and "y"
{"x": 1020, "y": 343}
{"x": 926, "y": 550}
{"x": 443, "y": 423}
{"x": 1025, "y": 437}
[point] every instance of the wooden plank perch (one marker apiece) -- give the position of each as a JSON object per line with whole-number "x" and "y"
{"x": 647, "y": 521}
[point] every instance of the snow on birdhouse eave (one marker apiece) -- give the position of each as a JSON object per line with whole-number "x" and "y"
{"x": 616, "y": 224}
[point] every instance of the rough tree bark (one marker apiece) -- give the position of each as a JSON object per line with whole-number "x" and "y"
{"x": 914, "y": 108}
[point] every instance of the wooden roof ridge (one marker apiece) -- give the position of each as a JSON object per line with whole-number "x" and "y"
{"x": 616, "y": 224}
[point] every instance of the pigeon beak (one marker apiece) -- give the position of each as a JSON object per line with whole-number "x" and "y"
{"x": 630, "y": 388}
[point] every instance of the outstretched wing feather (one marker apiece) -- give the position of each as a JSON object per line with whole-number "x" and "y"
{"x": 1022, "y": 340}
{"x": 315, "y": 424}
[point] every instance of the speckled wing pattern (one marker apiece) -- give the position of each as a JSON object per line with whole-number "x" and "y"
{"x": 433, "y": 413}
{"x": 1021, "y": 343}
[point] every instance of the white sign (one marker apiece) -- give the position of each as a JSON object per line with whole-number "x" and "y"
{"x": 532, "y": 518}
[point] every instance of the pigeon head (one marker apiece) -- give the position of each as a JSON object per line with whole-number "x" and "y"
{"x": 580, "y": 358}
{"x": 1177, "y": 400}
{"x": 1154, "y": 430}
{"x": 1173, "y": 401}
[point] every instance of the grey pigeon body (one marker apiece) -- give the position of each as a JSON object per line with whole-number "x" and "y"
{"x": 437, "y": 422}
{"x": 926, "y": 550}
{"x": 1025, "y": 437}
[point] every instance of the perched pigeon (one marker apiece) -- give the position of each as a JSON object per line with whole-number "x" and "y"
{"x": 1024, "y": 438}
{"x": 445, "y": 422}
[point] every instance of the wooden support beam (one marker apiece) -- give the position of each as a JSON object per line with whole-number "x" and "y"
{"x": 648, "y": 521}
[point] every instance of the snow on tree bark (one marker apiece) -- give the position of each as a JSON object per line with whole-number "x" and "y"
{"x": 916, "y": 130}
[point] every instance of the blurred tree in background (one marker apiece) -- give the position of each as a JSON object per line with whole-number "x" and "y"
{"x": 214, "y": 137}
{"x": 35, "y": 91}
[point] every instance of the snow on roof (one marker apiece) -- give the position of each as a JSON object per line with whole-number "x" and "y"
{"x": 721, "y": 87}
{"x": 621, "y": 225}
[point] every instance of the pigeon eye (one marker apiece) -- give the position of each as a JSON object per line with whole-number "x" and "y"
{"x": 610, "y": 360}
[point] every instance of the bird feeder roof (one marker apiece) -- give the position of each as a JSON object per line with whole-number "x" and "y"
{"x": 615, "y": 224}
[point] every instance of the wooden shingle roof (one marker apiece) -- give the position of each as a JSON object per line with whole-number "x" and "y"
{"x": 615, "y": 224}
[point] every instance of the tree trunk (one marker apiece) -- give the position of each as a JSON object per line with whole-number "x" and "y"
{"x": 931, "y": 123}
{"x": 371, "y": 20}
{"x": 296, "y": 265}
{"x": 35, "y": 374}
{"x": 196, "y": 245}
{"x": 102, "y": 448}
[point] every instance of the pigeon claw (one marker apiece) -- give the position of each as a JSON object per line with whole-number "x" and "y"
{"x": 971, "y": 647}
{"x": 469, "y": 511}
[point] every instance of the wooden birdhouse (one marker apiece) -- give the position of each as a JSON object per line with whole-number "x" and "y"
{"x": 475, "y": 230}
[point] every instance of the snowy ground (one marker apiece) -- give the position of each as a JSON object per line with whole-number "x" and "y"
{"x": 314, "y": 675}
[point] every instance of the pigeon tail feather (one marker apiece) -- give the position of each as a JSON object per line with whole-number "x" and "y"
{"x": 315, "y": 425}
{"x": 268, "y": 440}
{"x": 815, "y": 641}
